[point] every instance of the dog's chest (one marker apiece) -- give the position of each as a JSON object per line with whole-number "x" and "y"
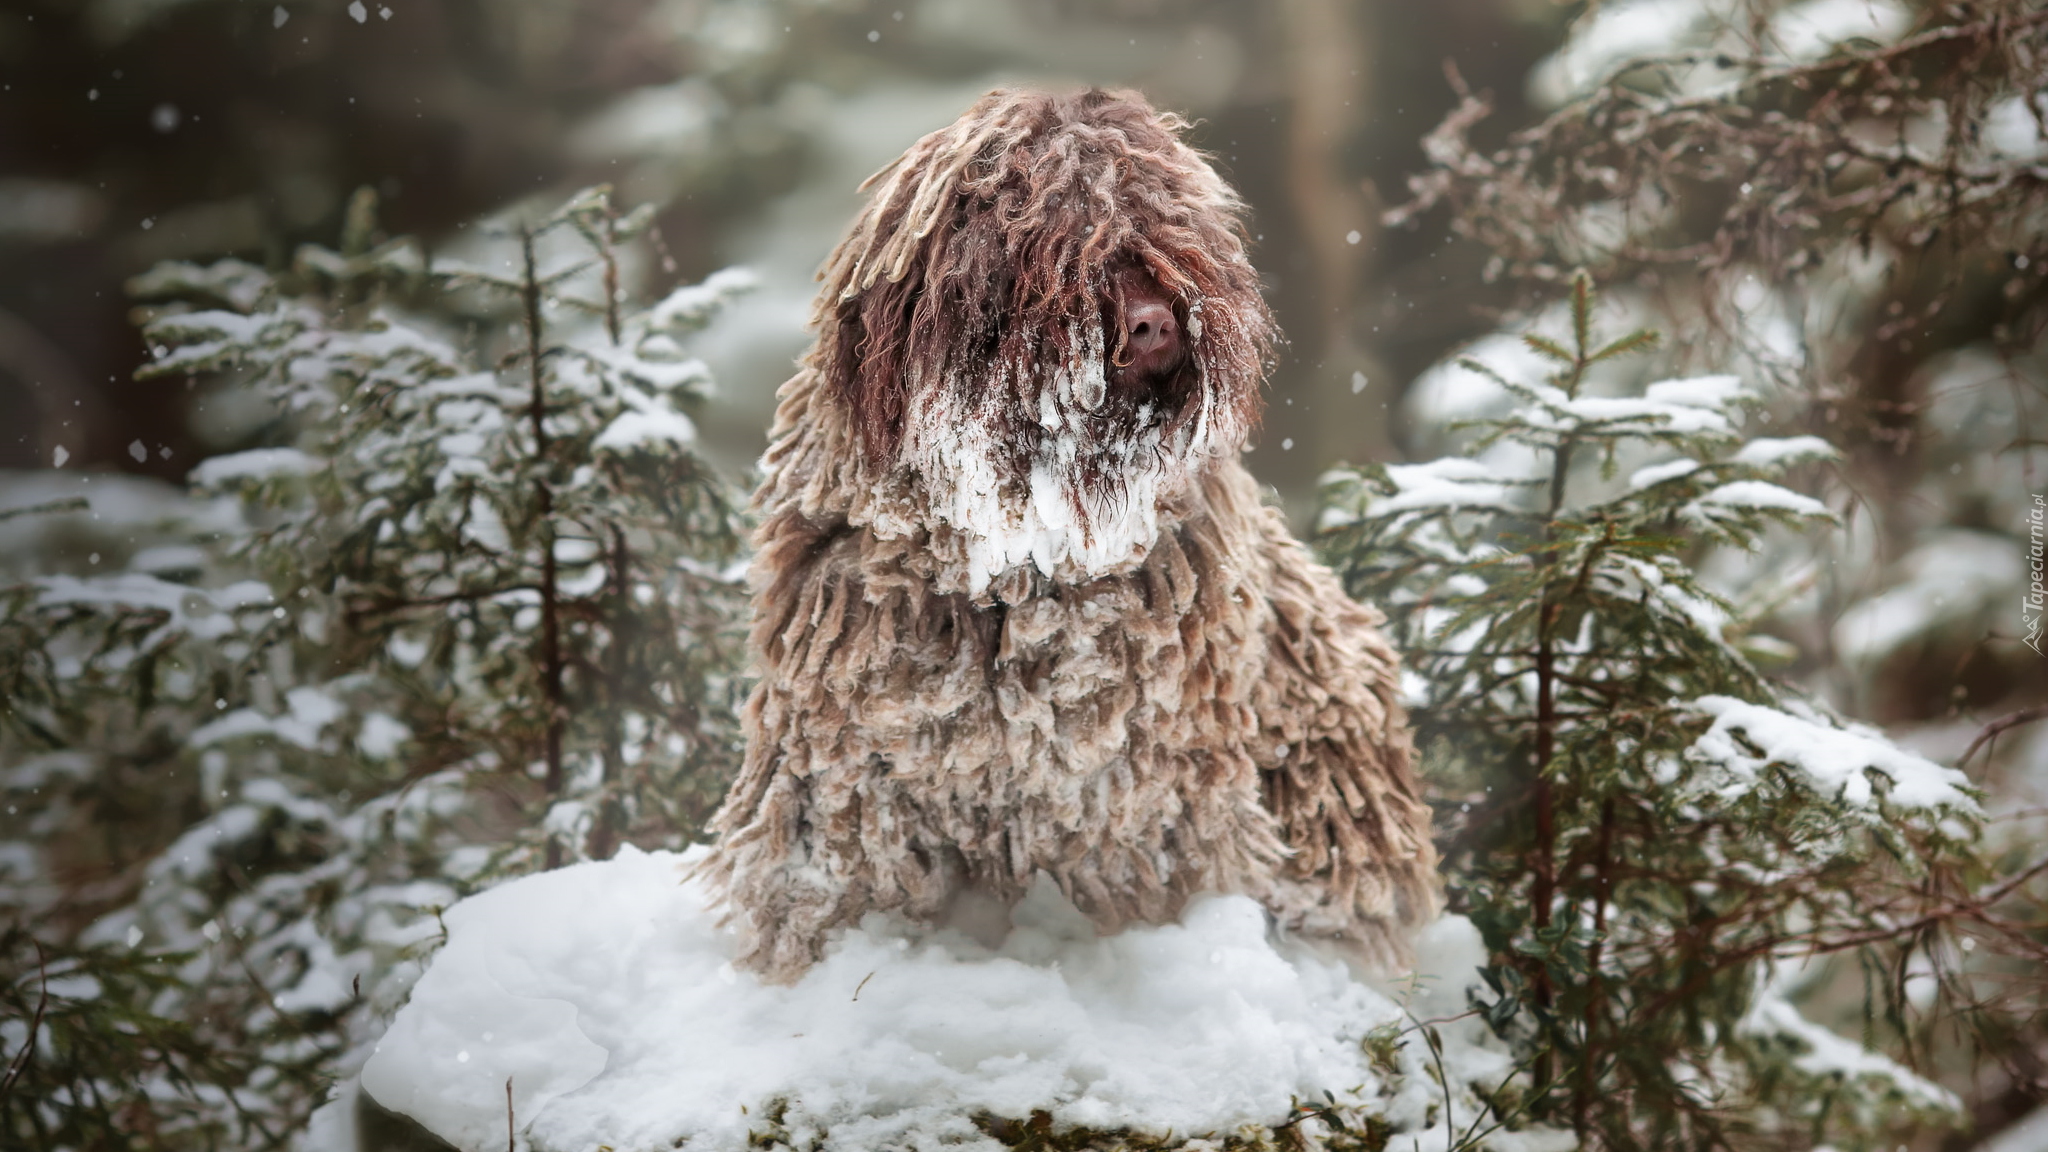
{"x": 1146, "y": 672}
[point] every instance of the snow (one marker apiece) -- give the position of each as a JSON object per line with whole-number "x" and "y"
{"x": 1835, "y": 762}
{"x": 389, "y": 336}
{"x": 309, "y": 711}
{"x": 1811, "y": 30}
{"x": 1659, "y": 579}
{"x": 1613, "y": 34}
{"x": 123, "y": 509}
{"x": 237, "y": 282}
{"x": 254, "y": 464}
{"x": 332, "y": 1127}
{"x": 381, "y": 734}
{"x": 204, "y": 614}
{"x": 472, "y": 385}
{"x": 654, "y": 427}
{"x": 1609, "y": 36}
{"x": 692, "y": 305}
{"x": 662, "y": 375}
{"x": 1776, "y": 453}
{"x": 1450, "y": 483}
{"x": 2012, "y": 129}
{"x": 207, "y": 339}
{"x": 604, "y": 995}
{"x": 1084, "y": 504}
{"x": 1826, "y": 1054}
{"x": 1656, "y": 474}
{"x": 1708, "y": 392}
{"x": 162, "y": 558}
{"x": 76, "y": 986}
{"x": 1449, "y": 392}
{"x": 1756, "y": 495}
{"x": 33, "y": 772}
{"x": 1697, "y": 406}
{"x": 484, "y": 526}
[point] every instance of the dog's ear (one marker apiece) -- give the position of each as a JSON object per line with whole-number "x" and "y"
{"x": 867, "y": 369}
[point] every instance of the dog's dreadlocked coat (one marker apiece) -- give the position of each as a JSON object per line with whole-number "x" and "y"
{"x": 1017, "y": 605}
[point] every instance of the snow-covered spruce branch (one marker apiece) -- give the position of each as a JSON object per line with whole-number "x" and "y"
{"x": 1644, "y": 826}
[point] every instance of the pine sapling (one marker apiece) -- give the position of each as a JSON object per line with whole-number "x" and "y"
{"x": 1644, "y": 827}
{"x": 469, "y": 608}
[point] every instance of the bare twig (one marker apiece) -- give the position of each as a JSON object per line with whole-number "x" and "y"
{"x": 48, "y": 508}
{"x": 19, "y": 1064}
{"x": 1433, "y": 1021}
{"x": 1991, "y": 731}
{"x": 1436, "y": 1053}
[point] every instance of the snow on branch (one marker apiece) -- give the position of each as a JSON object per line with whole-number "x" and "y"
{"x": 255, "y": 464}
{"x": 1746, "y": 739}
{"x": 1752, "y": 497}
{"x": 691, "y": 306}
{"x": 1701, "y": 407}
{"x": 1822, "y": 1054}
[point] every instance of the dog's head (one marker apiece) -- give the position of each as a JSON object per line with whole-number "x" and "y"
{"x": 1045, "y": 317}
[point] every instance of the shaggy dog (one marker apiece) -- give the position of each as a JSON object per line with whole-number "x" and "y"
{"x": 1018, "y": 608}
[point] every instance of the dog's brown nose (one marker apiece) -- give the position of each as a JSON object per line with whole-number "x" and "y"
{"x": 1151, "y": 337}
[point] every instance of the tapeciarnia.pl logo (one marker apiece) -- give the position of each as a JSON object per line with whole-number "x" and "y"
{"x": 2037, "y": 572}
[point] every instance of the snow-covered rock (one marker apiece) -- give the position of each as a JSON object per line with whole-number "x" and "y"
{"x": 597, "y": 1004}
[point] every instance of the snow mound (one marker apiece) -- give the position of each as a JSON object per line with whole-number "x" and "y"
{"x": 604, "y": 996}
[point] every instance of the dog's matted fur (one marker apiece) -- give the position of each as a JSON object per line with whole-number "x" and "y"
{"x": 1017, "y": 605}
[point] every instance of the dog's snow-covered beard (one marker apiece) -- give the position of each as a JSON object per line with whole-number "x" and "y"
{"x": 1080, "y": 487}
{"x": 975, "y": 324}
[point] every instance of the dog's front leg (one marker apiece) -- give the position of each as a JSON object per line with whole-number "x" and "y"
{"x": 1336, "y": 767}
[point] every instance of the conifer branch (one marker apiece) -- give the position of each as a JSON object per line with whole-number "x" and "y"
{"x": 19, "y": 1064}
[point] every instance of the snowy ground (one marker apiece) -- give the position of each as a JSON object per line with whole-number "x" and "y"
{"x": 603, "y": 995}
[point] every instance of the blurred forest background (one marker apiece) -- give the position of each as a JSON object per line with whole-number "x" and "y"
{"x": 136, "y": 131}
{"x": 133, "y": 131}
{"x": 1843, "y": 201}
